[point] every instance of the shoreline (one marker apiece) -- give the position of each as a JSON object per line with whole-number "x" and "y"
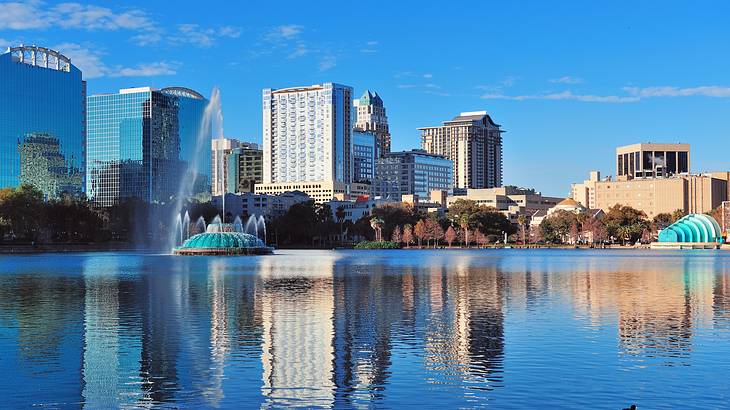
{"x": 22, "y": 249}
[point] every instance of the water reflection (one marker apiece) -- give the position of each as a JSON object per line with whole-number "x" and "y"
{"x": 358, "y": 329}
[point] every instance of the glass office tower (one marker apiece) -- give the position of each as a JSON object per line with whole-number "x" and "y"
{"x": 194, "y": 141}
{"x": 364, "y": 153}
{"x": 42, "y": 121}
{"x": 412, "y": 172}
{"x": 140, "y": 143}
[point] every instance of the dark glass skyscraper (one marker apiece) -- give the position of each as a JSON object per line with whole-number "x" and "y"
{"x": 42, "y": 121}
{"x": 140, "y": 143}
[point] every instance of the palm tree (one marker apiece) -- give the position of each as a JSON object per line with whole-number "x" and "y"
{"x": 522, "y": 221}
{"x": 377, "y": 225}
{"x": 464, "y": 223}
{"x": 340, "y": 214}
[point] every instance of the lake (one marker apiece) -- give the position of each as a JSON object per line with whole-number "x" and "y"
{"x": 442, "y": 328}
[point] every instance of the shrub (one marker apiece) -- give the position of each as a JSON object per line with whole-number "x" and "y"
{"x": 377, "y": 245}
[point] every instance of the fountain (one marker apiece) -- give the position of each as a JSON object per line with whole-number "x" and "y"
{"x": 224, "y": 239}
{"x": 212, "y": 120}
{"x": 200, "y": 225}
{"x": 262, "y": 224}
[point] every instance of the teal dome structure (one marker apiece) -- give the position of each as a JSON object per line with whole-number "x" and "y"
{"x": 693, "y": 228}
{"x": 222, "y": 241}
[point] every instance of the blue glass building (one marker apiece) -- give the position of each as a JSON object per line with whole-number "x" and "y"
{"x": 141, "y": 143}
{"x": 412, "y": 172}
{"x": 42, "y": 96}
{"x": 364, "y": 153}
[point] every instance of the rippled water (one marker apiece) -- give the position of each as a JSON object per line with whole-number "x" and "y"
{"x": 507, "y": 329}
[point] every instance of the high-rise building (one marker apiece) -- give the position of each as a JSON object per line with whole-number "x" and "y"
{"x": 136, "y": 145}
{"x": 42, "y": 113}
{"x": 221, "y": 148}
{"x": 649, "y": 160}
{"x": 371, "y": 117}
{"x": 194, "y": 137}
{"x": 474, "y": 143}
{"x": 414, "y": 172}
{"x": 364, "y": 154}
{"x": 245, "y": 168}
{"x": 307, "y": 137}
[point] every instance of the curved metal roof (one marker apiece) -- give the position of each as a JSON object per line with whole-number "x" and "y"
{"x": 40, "y": 57}
{"x": 182, "y": 92}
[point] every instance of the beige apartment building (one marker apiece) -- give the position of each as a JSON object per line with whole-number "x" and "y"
{"x": 690, "y": 193}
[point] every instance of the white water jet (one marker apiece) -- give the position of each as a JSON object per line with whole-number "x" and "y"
{"x": 200, "y": 225}
{"x": 237, "y": 224}
{"x": 212, "y": 121}
{"x": 178, "y": 230}
{"x": 251, "y": 226}
{"x": 216, "y": 225}
{"x": 261, "y": 225}
{"x": 186, "y": 227}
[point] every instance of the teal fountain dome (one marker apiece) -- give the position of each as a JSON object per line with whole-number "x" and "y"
{"x": 220, "y": 238}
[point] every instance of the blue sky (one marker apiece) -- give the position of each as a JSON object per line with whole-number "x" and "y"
{"x": 568, "y": 81}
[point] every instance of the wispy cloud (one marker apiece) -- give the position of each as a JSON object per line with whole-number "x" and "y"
{"x": 566, "y": 80}
{"x": 427, "y": 88}
{"x": 92, "y": 65}
{"x": 283, "y": 33}
{"x": 668, "y": 91}
{"x": 370, "y": 47}
{"x": 633, "y": 94}
{"x": 564, "y": 95}
{"x": 327, "y": 63}
{"x": 145, "y": 70}
{"x": 202, "y": 37}
{"x": 36, "y": 14}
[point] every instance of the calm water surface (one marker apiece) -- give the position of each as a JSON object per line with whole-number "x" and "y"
{"x": 447, "y": 329}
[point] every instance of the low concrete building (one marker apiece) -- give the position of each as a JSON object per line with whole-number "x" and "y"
{"x": 319, "y": 191}
{"x": 270, "y": 206}
{"x": 510, "y": 200}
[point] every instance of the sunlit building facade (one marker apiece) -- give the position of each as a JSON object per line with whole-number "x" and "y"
{"x": 41, "y": 94}
{"x": 307, "y": 134}
{"x": 371, "y": 117}
{"x": 474, "y": 143}
{"x": 245, "y": 168}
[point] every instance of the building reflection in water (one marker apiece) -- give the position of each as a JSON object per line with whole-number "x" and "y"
{"x": 334, "y": 329}
{"x": 297, "y": 305}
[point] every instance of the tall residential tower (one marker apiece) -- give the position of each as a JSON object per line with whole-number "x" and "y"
{"x": 371, "y": 117}
{"x": 307, "y": 140}
{"x": 474, "y": 143}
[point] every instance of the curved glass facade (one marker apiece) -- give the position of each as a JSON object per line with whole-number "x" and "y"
{"x": 692, "y": 228}
{"x": 42, "y": 123}
{"x": 140, "y": 143}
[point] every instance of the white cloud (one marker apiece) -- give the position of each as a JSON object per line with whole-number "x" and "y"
{"x": 328, "y": 62}
{"x": 283, "y": 33}
{"x": 202, "y": 37}
{"x": 300, "y": 50}
{"x": 566, "y": 80}
{"x": 564, "y": 95}
{"x": 35, "y": 14}
{"x": 667, "y": 91}
{"x": 145, "y": 70}
{"x": 92, "y": 66}
{"x": 428, "y": 75}
{"x": 370, "y": 47}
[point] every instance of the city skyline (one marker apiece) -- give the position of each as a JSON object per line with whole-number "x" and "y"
{"x": 569, "y": 73}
